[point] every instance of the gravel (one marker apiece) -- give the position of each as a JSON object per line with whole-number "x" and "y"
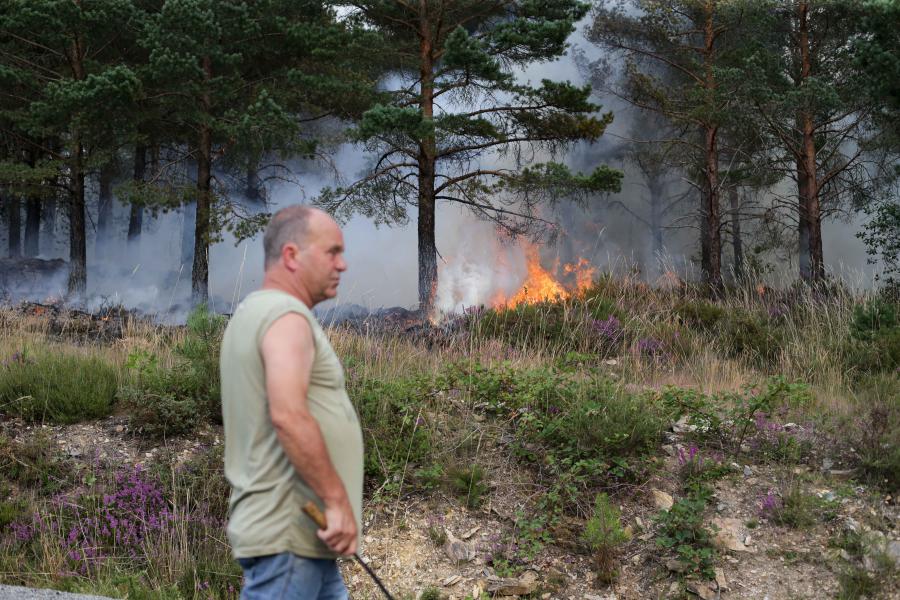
{"x": 12, "y": 592}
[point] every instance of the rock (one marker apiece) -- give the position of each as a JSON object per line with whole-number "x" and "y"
{"x": 521, "y": 586}
{"x": 682, "y": 426}
{"x": 74, "y": 452}
{"x": 704, "y": 590}
{"x": 546, "y": 596}
{"x": 471, "y": 532}
{"x": 676, "y": 566}
{"x": 611, "y": 362}
{"x": 457, "y": 549}
{"x": 827, "y": 463}
{"x": 791, "y": 426}
{"x": 729, "y": 534}
{"x": 720, "y": 579}
{"x": 662, "y": 500}
{"x": 893, "y": 551}
{"x": 842, "y": 474}
{"x": 851, "y": 524}
{"x": 748, "y": 472}
{"x": 369, "y": 539}
{"x": 745, "y": 448}
{"x": 452, "y": 580}
{"x": 639, "y": 522}
{"x": 636, "y": 559}
{"x": 669, "y": 449}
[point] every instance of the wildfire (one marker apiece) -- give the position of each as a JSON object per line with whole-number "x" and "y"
{"x": 541, "y": 285}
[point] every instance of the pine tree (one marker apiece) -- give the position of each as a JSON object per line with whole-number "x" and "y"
{"x": 458, "y": 102}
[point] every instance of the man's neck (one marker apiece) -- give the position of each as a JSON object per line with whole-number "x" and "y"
{"x": 277, "y": 281}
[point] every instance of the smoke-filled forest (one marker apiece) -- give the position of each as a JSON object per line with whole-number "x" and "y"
{"x": 621, "y": 317}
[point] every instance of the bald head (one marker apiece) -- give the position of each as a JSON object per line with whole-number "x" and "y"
{"x": 291, "y": 224}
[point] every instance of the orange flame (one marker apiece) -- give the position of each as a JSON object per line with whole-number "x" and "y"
{"x": 541, "y": 285}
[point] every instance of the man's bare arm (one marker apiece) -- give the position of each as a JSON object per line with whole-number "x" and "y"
{"x": 288, "y": 350}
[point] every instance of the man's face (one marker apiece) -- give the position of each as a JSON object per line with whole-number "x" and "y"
{"x": 322, "y": 258}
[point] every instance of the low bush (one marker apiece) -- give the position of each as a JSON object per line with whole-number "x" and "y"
{"x": 874, "y": 341}
{"x": 604, "y": 536}
{"x": 681, "y": 530}
{"x": 55, "y": 386}
{"x": 33, "y": 463}
{"x": 169, "y": 401}
{"x": 396, "y": 431}
{"x": 468, "y": 484}
{"x": 878, "y": 432}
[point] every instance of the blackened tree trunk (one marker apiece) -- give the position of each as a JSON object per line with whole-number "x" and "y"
{"x": 14, "y": 221}
{"x": 136, "y": 212}
{"x": 426, "y": 176}
{"x": 32, "y": 227}
{"x": 737, "y": 244}
{"x": 200, "y": 269}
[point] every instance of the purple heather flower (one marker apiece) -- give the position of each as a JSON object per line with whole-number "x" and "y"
{"x": 610, "y": 329}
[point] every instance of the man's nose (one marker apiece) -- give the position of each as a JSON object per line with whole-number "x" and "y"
{"x": 341, "y": 264}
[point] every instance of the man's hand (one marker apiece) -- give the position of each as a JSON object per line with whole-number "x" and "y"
{"x": 340, "y": 536}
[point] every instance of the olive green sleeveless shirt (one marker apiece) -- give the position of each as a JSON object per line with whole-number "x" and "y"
{"x": 267, "y": 493}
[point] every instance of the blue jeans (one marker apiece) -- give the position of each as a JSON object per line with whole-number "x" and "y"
{"x": 287, "y": 576}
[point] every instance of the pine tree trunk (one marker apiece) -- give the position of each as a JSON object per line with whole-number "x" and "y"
{"x": 77, "y": 224}
{"x": 712, "y": 266}
{"x": 737, "y": 244}
{"x": 656, "y": 217}
{"x": 188, "y": 225}
{"x": 812, "y": 264}
{"x": 200, "y": 269}
{"x": 32, "y": 227}
{"x": 32, "y": 218}
{"x": 253, "y": 191}
{"x": 77, "y": 283}
{"x": 104, "y": 209}
{"x": 426, "y": 163}
{"x": 14, "y": 220}
{"x": 49, "y": 219}
{"x": 136, "y": 212}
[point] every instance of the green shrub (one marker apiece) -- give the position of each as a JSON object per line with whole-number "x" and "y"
{"x": 604, "y": 535}
{"x": 396, "y": 431}
{"x": 171, "y": 401}
{"x": 699, "y": 313}
{"x": 874, "y": 341}
{"x": 468, "y": 484}
{"x": 33, "y": 463}
{"x": 878, "y": 432}
{"x": 681, "y": 529}
{"x": 751, "y": 337}
{"x": 797, "y": 509}
{"x": 57, "y": 386}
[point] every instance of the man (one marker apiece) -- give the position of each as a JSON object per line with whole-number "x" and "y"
{"x": 291, "y": 433}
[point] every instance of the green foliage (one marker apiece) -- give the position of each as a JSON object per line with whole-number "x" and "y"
{"x": 33, "y": 463}
{"x": 431, "y": 593}
{"x": 604, "y": 535}
{"x": 681, "y": 529}
{"x": 57, "y": 386}
{"x": 171, "y": 401}
{"x": 797, "y": 509}
{"x": 395, "y": 428}
{"x": 468, "y": 484}
{"x": 874, "y": 342}
{"x": 742, "y": 334}
{"x": 878, "y": 432}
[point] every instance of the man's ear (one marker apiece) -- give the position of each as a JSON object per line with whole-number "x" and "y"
{"x": 289, "y": 254}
